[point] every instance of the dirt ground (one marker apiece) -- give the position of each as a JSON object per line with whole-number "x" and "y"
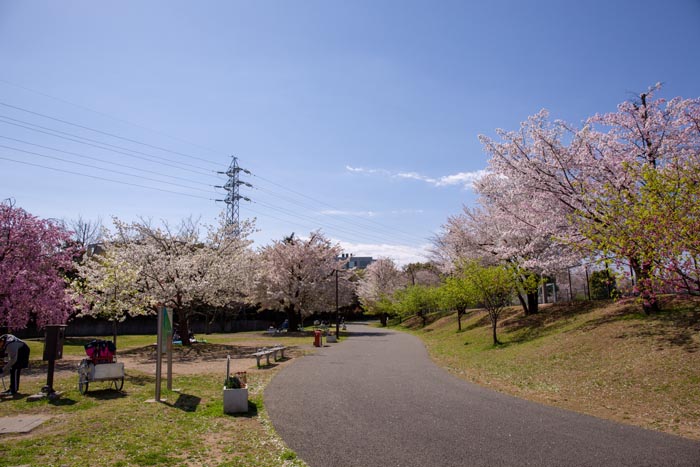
{"x": 197, "y": 359}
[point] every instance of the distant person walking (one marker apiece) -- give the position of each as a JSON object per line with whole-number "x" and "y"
{"x": 17, "y": 352}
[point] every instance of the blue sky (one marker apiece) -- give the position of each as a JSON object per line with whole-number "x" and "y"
{"x": 359, "y": 118}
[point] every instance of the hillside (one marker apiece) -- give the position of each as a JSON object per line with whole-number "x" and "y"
{"x": 604, "y": 359}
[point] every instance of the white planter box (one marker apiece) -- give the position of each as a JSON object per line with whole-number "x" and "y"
{"x": 235, "y": 400}
{"x": 331, "y": 338}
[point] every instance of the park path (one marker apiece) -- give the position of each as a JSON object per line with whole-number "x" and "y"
{"x": 378, "y": 400}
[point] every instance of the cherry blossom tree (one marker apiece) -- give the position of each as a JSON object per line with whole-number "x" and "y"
{"x": 377, "y": 286}
{"x": 499, "y": 233}
{"x": 178, "y": 269}
{"x": 34, "y": 256}
{"x": 669, "y": 215}
{"x": 109, "y": 287}
{"x": 594, "y": 176}
{"x": 422, "y": 274}
{"x": 299, "y": 276}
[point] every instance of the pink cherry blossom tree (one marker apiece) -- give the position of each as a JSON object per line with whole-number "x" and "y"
{"x": 500, "y": 233}
{"x": 34, "y": 256}
{"x": 298, "y": 276}
{"x": 593, "y": 176}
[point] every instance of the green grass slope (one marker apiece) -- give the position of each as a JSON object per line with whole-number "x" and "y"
{"x": 604, "y": 359}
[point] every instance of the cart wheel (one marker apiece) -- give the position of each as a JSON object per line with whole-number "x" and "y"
{"x": 83, "y": 384}
{"x": 118, "y": 383}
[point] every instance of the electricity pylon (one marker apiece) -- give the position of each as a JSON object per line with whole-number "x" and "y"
{"x": 233, "y": 195}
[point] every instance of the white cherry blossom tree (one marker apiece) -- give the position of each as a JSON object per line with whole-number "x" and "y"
{"x": 377, "y": 287}
{"x": 177, "y": 268}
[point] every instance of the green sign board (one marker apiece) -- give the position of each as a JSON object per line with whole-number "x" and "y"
{"x": 166, "y": 329}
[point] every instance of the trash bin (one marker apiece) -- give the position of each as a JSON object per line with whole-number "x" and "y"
{"x": 317, "y": 338}
{"x": 53, "y": 343}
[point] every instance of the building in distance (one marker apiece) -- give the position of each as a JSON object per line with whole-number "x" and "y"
{"x": 356, "y": 262}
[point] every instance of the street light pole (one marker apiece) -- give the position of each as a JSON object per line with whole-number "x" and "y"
{"x": 337, "y": 315}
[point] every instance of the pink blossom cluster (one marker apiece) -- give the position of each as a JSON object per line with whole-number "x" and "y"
{"x": 34, "y": 255}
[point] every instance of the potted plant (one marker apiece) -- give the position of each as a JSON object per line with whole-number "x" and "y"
{"x": 235, "y": 391}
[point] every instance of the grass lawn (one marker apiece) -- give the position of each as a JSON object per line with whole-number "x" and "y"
{"x": 110, "y": 428}
{"x": 606, "y": 359}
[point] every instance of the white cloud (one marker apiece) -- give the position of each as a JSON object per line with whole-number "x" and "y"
{"x": 401, "y": 254}
{"x": 338, "y": 212}
{"x": 462, "y": 178}
{"x": 466, "y": 179}
{"x": 401, "y": 212}
{"x": 416, "y": 176}
{"x": 366, "y": 171}
{"x": 395, "y": 212}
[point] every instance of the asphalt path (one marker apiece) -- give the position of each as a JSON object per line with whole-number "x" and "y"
{"x": 377, "y": 399}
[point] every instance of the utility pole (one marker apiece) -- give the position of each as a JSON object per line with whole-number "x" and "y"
{"x": 233, "y": 195}
{"x": 337, "y": 314}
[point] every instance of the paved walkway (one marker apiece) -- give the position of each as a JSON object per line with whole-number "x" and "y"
{"x": 378, "y": 400}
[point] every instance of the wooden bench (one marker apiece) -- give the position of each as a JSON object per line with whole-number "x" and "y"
{"x": 265, "y": 352}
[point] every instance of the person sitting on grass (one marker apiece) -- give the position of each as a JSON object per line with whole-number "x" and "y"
{"x": 18, "y": 358}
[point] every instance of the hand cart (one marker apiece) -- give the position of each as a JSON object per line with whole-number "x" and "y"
{"x": 101, "y": 365}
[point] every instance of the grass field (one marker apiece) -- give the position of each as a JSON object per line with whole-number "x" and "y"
{"x": 110, "y": 428}
{"x": 604, "y": 359}
{"x": 607, "y": 360}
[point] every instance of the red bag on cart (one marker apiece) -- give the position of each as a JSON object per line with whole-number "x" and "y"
{"x": 100, "y": 351}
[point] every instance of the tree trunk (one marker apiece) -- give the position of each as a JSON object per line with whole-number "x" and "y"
{"x": 384, "y": 319}
{"x": 644, "y": 286}
{"x": 532, "y": 305}
{"x": 293, "y": 318}
{"x": 114, "y": 332}
{"x": 493, "y": 328}
{"x": 460, "y": 313}
{"x": 523, "y": 303}
{"x": 184, "y": 326}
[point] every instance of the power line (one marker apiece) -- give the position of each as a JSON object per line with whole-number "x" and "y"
{"x": 104, "y": 133}
{"x": 102, "y": 160}
{"x": 359, "y": 225}
{"x": 70, "y": 137}
{"x": 355, "y": 232}
{"x": 105, "y": 179}
{"x": 364, "y": 221}
{"x": 335, "y": 227}
{"x": 101, "y": 168}
{"x": 340, "y": 218}
{"x": 111, "y": 117}
{"x": 316, "y": 221}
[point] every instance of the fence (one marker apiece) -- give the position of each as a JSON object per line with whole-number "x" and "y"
{"x": 82, "y": 327}
{"x": 586, "y": 282}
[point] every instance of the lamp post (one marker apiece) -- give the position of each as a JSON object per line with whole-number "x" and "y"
{"x": 337, "y": 314}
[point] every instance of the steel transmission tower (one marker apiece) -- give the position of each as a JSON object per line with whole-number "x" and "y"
{"x": 233, "y": 195}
